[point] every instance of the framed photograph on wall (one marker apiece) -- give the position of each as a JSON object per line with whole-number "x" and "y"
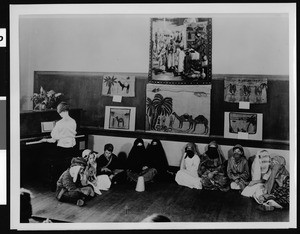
{"x": 119, "y": 118}
{"x": 180, "y": 50}
{"x": 241, "y": 125}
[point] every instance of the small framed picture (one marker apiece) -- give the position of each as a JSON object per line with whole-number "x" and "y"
{"x": 119, "y": 118}
{"x": 47, "y": 126}
{"x": 241, "y": 125}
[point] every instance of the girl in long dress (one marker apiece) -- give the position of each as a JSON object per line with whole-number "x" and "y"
{"x": 212, "y": 169}
{"x": 188, "y": 173}
{"x": 238, "y": 169}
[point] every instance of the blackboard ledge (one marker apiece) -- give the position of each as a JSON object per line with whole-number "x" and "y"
{"x": 266, "y": 143}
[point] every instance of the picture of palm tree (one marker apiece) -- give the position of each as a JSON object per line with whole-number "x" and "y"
{"x": 110, "y": 81}
{"x": 243, "y": 122}
{"x": 179, "y": 109}
{"x": 158, "y": 106}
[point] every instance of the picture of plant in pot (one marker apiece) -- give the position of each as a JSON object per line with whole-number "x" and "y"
{"x": 46, "y": 100}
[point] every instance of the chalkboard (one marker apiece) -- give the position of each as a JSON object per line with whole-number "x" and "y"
{"x": 84, "y": 90}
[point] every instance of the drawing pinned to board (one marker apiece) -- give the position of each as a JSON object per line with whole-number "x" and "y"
{"x": 241, "y": 122}
{"x": 245, "y": 90}
{"x": 121, "y": 85}
{"x": 180, "y": 50}
{"x": 183, "y": 109}
{"x": 119, "y": 118}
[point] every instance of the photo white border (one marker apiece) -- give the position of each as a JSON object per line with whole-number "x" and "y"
{"x": 131, "y": 118}
{"x": 17, "y": 10}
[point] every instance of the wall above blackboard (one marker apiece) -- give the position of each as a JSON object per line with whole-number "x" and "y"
{"x": 84, "y": 90}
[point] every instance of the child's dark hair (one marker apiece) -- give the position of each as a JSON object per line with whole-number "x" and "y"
{"x": 109, "y": 147}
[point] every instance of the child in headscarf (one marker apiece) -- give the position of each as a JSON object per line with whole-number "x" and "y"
{"x": 188, "y": 175}
{"x": 69, "y": 185}
{"x": 238, "y": 169}
{"x": 260, "y": 172}
{"x": 270, "y": 181}
{"x": 89, "y": 175}
{"x": 211, "y": 169}
{"x": 137, "y": 164}
{"x": 156, "y": 157}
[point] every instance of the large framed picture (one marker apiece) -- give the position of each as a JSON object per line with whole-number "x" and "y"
{"x": 178, "y": 109}
{"x": 119, "y": 118}
{"x": 180, "y": 50}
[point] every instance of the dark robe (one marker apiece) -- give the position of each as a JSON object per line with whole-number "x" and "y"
{"x": 111, "y": 164}
{"x": 137, "y": 160}
{"x": 156, "y": 158}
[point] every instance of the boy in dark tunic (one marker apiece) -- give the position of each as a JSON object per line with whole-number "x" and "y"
{"x": 109, "y": 164}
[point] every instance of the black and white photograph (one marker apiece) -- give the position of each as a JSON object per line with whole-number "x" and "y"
{"x": 180, "y": 50}
{"x": 176, "y": 151}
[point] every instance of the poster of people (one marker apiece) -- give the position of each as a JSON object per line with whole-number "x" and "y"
{"x": 180, "y": 50}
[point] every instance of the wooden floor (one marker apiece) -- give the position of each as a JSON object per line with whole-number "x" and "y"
{"x": 181, "y": 204}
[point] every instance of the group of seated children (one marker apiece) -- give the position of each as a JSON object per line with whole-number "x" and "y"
{"x": 266, "y": 179}
{"x": 91, "y": 172}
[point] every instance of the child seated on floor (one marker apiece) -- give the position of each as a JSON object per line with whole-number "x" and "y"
{"x": 211, "y": 169}
{"x": 137, "y": 164}
{"x": 270, "y": 181}
{"x": 188, "y": 173}
{"x": 89, "y": 175}
{"x": 109, "y": 164}
{"x": 69, "y": 185}
{"x": 238, "y": 169}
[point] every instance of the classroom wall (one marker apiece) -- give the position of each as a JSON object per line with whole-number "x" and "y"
{"x": 173, "y": 150}
{"x": 241, "y": 44}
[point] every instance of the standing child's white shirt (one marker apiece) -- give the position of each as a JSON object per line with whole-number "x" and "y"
{"x": 64, "y": 132}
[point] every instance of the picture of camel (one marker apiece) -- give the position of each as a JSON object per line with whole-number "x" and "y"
{"x": 118, "y": 84}
{"x": 245, "y": 90}
{"x": 119, "y": 118}
{"x": 183, "y": 118}
{"x": 178, "y": 109}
